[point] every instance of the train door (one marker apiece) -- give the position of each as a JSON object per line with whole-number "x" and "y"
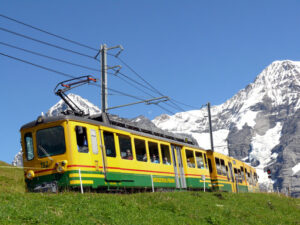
{"x": 97, "y": 156}
{"x": 233, "y": 180}
{"x": 178, "y": 167}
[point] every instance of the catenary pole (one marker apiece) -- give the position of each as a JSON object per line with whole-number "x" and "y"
{"x": 210, "y": 127}
{"x": 103, "y": 78}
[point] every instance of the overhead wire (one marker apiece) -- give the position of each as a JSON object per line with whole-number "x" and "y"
{"x": 160, "y": 106}
{"x": 152, "y": 88}
{"x": 49, "y": 57}
{"x": 45, "y": 43}
{"x": 49, "y": 33}
{"x": 65, "y": 74}
{"x": 36, "y": 65}
{"x": 148, "y": 83}
{"x": 129, "y": 78}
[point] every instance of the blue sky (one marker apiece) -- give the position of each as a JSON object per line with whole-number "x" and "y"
{"x": 191, "y": 51}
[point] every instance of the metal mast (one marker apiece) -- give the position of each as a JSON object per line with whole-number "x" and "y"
{"x": 210, "y": 128}
{"x": 103, "y": 78}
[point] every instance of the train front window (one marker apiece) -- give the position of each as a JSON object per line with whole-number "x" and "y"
{"x": 28, "y": 146}
{"x": 50, "y": 141}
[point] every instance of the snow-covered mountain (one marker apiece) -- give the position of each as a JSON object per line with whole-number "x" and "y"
{"x": 260, "y": 125}
{"x": 83, "y": 104}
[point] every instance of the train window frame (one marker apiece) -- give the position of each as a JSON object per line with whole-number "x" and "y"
{"x": 125, "y": 147}
{"x": 240, "y": 176}
{"x": 166, "y": 149}
{"x": 140, "y": 157}
{"x": 109, "y": 144}
{"x": 29, "y": 145}
{"x": 236, "y": 175}
{"x": 223, "y": 167}
{"x": 152, "y": 144}
{"x": 218, "y": 166}
{"x": 94, "y": 140}
{"x": 190, "y": 164}
{"x": 242, "y": 173}
{"x": 199, "y": 161}
{"x": 82, "y": 139}
{"x": 55, "y": 136}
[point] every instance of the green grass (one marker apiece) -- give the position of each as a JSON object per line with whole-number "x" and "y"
{"x": 11, "y": 179}
{"x": 17, "y": 207}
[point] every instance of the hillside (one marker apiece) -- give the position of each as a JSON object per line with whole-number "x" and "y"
{"x": 11, "y": 179}
{"x": 17, "y": 207}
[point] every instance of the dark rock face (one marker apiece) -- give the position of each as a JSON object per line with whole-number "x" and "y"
{"x": 288, "y": 156}
{"x": 239, "y": 142}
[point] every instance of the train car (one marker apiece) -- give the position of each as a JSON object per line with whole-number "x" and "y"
{"x": 68, "y": 151}
{"x": 231, "y": 175}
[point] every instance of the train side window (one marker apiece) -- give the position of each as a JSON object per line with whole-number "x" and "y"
{"x": 190, "y": 158}
{"x": 29, "y": 146}
{"x": 165, "y": 153}
{"x": 81, "y": 137}
{"x": 242, "y": 173}
{"x": 223, "y": 168}
{"x": 248, "y": 178}
{"x": 94, "y": 141}
{"x": 125, "y": 147}
{"x": 240, "y": 176}
{"x": 153, "y": 151}
{"x": 205, "y": 159}
{"x": 199, "y": 160}
{"x": 236, "y": 174}
{"x": 109, "y": 143}
{"x": 218, "y": 166}
{"x": 227, "y": 173}
{"x": 140, "y": 150}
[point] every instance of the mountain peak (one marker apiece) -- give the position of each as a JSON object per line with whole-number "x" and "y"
{"x": 82, "y": 103}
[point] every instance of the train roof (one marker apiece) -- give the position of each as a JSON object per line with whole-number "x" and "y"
{"x": 122, "y": 124}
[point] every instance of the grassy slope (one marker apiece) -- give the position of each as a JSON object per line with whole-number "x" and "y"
{"x": 17, "y": 207}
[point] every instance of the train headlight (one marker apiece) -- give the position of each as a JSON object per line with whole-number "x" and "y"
{"x": 64, "y": 163}
{"x": 60, "y": 169}
{"x": 30, "y": 174}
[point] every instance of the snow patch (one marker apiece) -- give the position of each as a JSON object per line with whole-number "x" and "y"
{"x": 262, "y": 146}
{"x": 296, "y": 168}
{"x": 246, "y": 117}
{"x": 219, "y": 137}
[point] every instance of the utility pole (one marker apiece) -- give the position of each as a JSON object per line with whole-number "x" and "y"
{"x": 103, "y": 78}
{"x": 210, "y": 128}
{"x": 104, "y": 68}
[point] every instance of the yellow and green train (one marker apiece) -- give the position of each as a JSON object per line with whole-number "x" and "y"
{"x": 67, "y": 151}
